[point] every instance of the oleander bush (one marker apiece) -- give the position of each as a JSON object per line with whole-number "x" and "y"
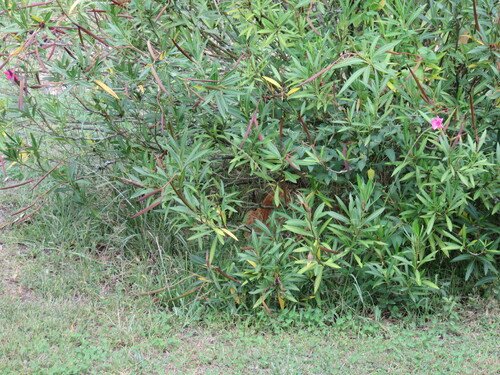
{"x": 302, "y": 152}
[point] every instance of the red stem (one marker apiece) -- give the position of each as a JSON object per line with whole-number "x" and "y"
{"x": 326, "y": 69}
{"x": 17, "y": 185}
{"x": 151, "y": 206}
{"x": 304, "y": 126}
{"x": 181, "y": 50}
{"x": 471, "y": 104}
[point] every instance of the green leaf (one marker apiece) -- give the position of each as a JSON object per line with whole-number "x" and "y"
{"x": 470, "y": 269}
{"x": 486, "y": 279}
{"x": 349, "y": 62}
{"x": 390, "y": 154}
{"x": 374, "y": 215}
{"x": 352, "y": 78}
{"x": 381, "y": 52}
{"x": 430, "y": 224}
{"x": 338, "y": 217}
{"x": 297, "y": 230}
{"x": 307, "y": 267}
{"x": 430, "y": 284}
{"x": 462, "y": 257}
{"x": 212, "y": 250}
{"x": 358, "y": 260}
{"x": 331, "y": 263}
{"x": 399, "y": 168}
{"x": 417, "y": 277}
{"x": 319, "y": 277}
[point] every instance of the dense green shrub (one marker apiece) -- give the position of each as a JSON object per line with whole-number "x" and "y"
{"x": 373, "y": 125}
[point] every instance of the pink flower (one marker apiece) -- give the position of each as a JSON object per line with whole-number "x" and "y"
{"x": 11, "y": 76}
{"x": 437, "y": 123}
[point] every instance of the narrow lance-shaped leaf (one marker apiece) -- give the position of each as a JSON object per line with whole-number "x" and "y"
{"x": 106, "y": 88}
{"x": 272, "y": 81}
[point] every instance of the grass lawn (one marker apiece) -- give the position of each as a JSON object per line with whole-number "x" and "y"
{"x": 64, "y": 312}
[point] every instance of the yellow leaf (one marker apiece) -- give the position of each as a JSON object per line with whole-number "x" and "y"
{"x": 17, "y": 51}
{"x": 24, "y": 156}
{"x": 163, "y": 54}
{"x": 216, "y": 230}
{"x": 74, "y": 6}
{"x": 292, "y": 91}
{"x": 272, "y": 81}
{"x": 371, "y": 174}
{"x": 37, "y": 19}
{"x": 391, "y": 86}
{"x": 229, "y": 233}
{"x": 11, "y": 165}
{"x": 281, "y": 301}
{"x": 106, "y": 88}
{"x": 141, "y": 88}
{"x": 252, "y": 262}
{"x": 381, "y": 4}
{"x": 204, "y": 279}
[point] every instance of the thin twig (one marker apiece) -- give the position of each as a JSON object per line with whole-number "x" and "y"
{"x": 225, "y": 274}
{"x": 326, "y": 69}
{"x": 161, "y": 289}
{"x": 30, "y": 214}
{"x": 158, "y": 81}
{"x": 473, "y": 116}
{"x": 182, "y": 50}
{"x": 424, "y": 94}
{"x": 304, "y": 126}
{"x": 51, "y": 170}
{"x": 29, "y": 6}
{"x": 476, "y": 20}
{"x": 17, "y": 185}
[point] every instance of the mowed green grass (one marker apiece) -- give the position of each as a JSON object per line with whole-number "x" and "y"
{"x": 65, "y": 310}
{"x": 67, "y": 335}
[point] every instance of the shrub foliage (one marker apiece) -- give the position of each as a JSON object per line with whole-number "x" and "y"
{"x": 309, "y": 151}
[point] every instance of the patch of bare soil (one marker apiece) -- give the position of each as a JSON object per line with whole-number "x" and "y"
{"x": 10, "y": 265}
